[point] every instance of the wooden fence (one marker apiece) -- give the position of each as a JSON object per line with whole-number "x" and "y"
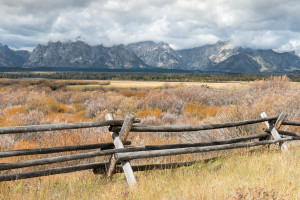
{"x": 120, "y": 129}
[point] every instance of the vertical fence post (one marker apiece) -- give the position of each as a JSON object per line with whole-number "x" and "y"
{"x": 274, "y": 129}
{"x": 119, "y": 145}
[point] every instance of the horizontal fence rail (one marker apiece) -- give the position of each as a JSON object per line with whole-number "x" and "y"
{"x": 56, "y": 127}
{"x": 169, "y": 152}
{"x": 292, "y": 123}
{"x": 47, "y": 172}
{"x": 289, "y": 133}
{"x": 141, "y": 128}
{"x": 284, "y": 133}
{"x": 161, "y": 166}
{"x": 25, "y": 152}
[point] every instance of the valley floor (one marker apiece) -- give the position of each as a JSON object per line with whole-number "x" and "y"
{"x": 159, "y": 84}
{"x": 266, "y": 174}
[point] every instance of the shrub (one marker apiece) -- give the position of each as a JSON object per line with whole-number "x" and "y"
{"x": 169, "y": 118}
{"x": 133, "y": 93}
{"x": 113, "y": 102}
{"x": 53, "y": 85}
{"x": 201, "y": 111}
{"x": 166, "y": 101}
{"x": 82, "y": 97}
{"x": 15, "y": 109}
{"x": 130, "y": 105}
{"x": 193, "y": 94}
{"x": 101, "y": 83}
{"x": 12, "y": 98}
{"x": 151, "y": 120}
{"x": 145, "y": 112}
{"x": 94, "y": 106}
{"x": 44, "y": 103}
{"x": 63, "y": 96}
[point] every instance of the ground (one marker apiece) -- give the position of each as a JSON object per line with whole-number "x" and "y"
{"x": 264, "y": 174}
{"x": 238, "y": 174}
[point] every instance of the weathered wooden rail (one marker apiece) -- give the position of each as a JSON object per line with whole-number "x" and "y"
{"x": 120, "y": 154}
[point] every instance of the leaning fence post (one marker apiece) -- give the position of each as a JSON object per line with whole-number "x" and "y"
{"x": 126, "y": 127}
{"x": 274, "y": 129}
{"x": 122, "y": 135}
{"x": 119, "y": 145}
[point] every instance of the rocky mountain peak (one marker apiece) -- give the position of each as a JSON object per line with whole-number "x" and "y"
{"x": 80, "y": 54}
{"x": 203, "y": 57}
{"x": 296, "y": 52}
{"x": 10, "y": 58}
{"x": 157, "y": 54}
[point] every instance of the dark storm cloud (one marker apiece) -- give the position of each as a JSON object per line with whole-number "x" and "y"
{"x": 182, "y": 23}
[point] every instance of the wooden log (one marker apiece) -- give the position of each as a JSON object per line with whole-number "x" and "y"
{"x": 25, "y": 152}
{"x": 274, "y": 131}
{"x": 143, "y": 128}
{"x": 55, "y": 127}
{"x": 157, "y": 166}
{"x": 126, "y": 127}
{"x": 166, "y": 165}
{"x": 279, "y": 121}
{"x": 48, "y": 172}
{"x": 125, "y": 163}
{"x": 292, "y": 123}
{"x": 122, "y": 135}
{"x": 289, "y": 133}
{"x": 203, "y": 144}
{"x": 58, "y": 159}
{"x": 169, "y": 152}
{"x": 44, "y": 161}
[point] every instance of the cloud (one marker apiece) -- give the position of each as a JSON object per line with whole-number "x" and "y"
{"x": 183, "y": 23}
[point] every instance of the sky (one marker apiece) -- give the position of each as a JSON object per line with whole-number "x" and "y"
{"x": 259, "y": 24}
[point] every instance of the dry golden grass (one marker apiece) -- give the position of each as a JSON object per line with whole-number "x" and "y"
{"x": 230, "y": 85}
{"x": 201, "y": 111}
{"x": 260, "y": 175}
{"x": 158, "y": 84}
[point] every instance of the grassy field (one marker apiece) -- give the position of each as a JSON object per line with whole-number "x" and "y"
{"x": 157, "y": 84}
{"x": 241, "y": 176}
{"x": 267, "y": 174}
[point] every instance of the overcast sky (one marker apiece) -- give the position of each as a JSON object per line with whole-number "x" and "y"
{"x": 260, "y": 24}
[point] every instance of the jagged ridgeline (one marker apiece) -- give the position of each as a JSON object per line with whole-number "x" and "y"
{"x": 219, "y": 57}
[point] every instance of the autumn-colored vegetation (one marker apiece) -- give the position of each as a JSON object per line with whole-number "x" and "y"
{"x": 31, "y": 102}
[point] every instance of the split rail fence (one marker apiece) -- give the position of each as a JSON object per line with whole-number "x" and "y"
{"x": 120, "y": 155}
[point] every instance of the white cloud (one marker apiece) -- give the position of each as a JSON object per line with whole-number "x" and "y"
{"x": 182, "y": 23}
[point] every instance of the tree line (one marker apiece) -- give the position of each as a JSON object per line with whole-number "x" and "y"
{"x": 180, "y": 77}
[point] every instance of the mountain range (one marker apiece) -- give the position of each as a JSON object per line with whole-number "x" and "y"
{"x": 219, "y": 57}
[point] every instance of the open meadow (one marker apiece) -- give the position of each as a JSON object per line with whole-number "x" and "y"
{"x": 160, "y": 84}
{"x": 256, "y": 173}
